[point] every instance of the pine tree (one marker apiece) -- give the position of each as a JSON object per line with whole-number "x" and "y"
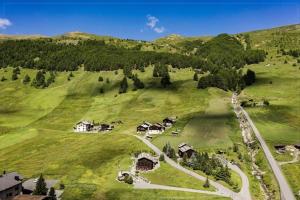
{"x": 123, "y": 85}
{"x": 26, "y": 79}
{"x": 40, "y": 188}
{"x": 52, "y": 195}
{"x": 196, "y": 77}
{"x": 165, "y": 80}
{"x": 39, "y": 80}
{"x": 138, "y": 84}
{"x": 156, "y": 71}
{"x": 206, "y": 184}
{"x": 14, "y": 75}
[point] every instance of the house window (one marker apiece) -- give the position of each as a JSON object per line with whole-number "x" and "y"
{"x": 9, "y": 194}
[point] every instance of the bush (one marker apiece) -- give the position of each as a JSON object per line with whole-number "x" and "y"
{"x": 3, "y": 79}
{"x": 100, "y": 79}
{"x": 101, "y": 90}
{"x": 26, "y": 79}
{"x": 128, "y": 179}
{"x": 14, "y": 76}
{"x": 266, "y": 102}
{"x": 161, "y": 157}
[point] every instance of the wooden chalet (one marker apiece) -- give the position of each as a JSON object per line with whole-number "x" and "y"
{"x": 83, "y": 126}
{"x": 145, "y": 162}
{"x": 156, "y": 128}
{"x": 183, "y": 148}
{"x": 169, "y": 121}
{"x": 144, "y": 127}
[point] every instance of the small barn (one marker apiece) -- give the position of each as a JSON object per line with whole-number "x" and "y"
{"x": 169, "y": 121}
{"x": 145, "y": 162}
{"x": 156, "y": 128}
{"x": 84, "y": 126}
{"x": 144, "y": 127}
{"x": 183, "y": 148}
{"x": 105, "y": 127}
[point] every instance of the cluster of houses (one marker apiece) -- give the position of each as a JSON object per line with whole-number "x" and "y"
{"x": 156, "y": 128}
{"x": 14, "y": 187}
{"x": 88, "y": 126}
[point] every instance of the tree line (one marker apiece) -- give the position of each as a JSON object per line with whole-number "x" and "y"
{"x": 94, "y": 55}
{"x": 219, "y": 52}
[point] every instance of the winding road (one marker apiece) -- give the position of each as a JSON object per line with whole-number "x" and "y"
{"x": 286, "y": 192}
{"x": 244, "y": 194}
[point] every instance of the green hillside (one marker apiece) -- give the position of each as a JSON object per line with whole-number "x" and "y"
{"x": 36, "y": 122}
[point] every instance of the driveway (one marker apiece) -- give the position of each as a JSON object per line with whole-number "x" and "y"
{"x": 244, "y": 194}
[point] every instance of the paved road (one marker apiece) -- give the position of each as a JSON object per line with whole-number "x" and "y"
{"x": 286, "y": 192}
{"x": 221, "y": 190}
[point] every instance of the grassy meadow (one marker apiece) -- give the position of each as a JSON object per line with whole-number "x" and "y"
{"x": 279, "y": 83}
{"x": 36, "y": 130}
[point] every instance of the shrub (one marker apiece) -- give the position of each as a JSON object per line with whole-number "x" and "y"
{"x": 100, "y": 79}
{"x": 26, "y": 79}
{"x": 128, "y": 179}
{"x": 161, "y": 157}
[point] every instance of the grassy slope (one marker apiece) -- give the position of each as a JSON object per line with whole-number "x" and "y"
{"x": 279, "y": 123}
{"x": 87, "y": 164}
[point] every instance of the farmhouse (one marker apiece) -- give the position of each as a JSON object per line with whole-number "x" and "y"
{"x": 156, "y": 128}
{"x": 183, "y": 148}
{"x": 10, "y": 185}
{"x": 169, "y": 121}
{"x": 144, "y": 127}
{"x": 145, "y": 162}
{"x": 105, "y": 127}
{"x": 83, "y": 126}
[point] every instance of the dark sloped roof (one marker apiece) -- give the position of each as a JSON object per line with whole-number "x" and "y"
{"x": 9, "y": 180}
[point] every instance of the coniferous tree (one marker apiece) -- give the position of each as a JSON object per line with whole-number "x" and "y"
{"x": 165, "y": 79}
{"x": 51, "y": 79}
{"x": 39, "y": 80}
{"x": 14, "y": 76}
{"x": 206, "y": 184}
{"x": 40, "y": 188}
{"x": 26, "y": 79}
{"x": 156, "y": 71}
{"x": 52, "y": 195}
{"x": 195, "y": 78}
{"x": 138, "y": 84}
{"x": 123, "y": 85}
